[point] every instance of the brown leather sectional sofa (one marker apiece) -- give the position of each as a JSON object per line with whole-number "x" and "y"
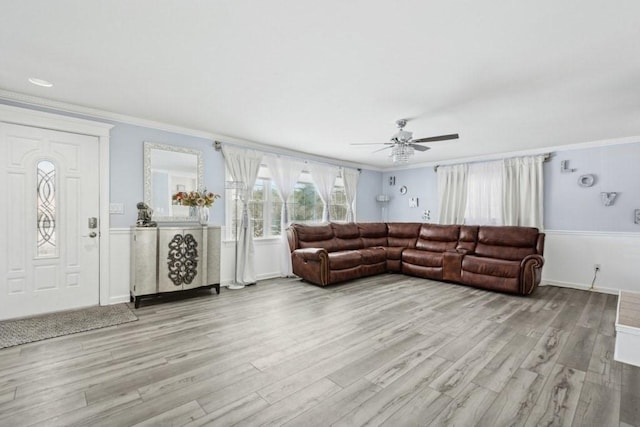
{"x": 502, "y": 258}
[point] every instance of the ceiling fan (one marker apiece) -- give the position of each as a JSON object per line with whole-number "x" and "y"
{"x": 402, "y": 144}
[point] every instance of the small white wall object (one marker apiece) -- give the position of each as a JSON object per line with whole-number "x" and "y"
{"x": 608, "y": 198}
{"x": 413, "y": 202}
{"x": 564, "y": 167}
{"x": 426, "y": 215}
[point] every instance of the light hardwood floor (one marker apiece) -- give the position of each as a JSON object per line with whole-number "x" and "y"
{"x": 388, "y": 350}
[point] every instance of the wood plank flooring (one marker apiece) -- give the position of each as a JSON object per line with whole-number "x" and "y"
{"x": 388, "y": 350}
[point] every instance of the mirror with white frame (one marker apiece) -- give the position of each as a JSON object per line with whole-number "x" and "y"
{"x": 168, "y": 170}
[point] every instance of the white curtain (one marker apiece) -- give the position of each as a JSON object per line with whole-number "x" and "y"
{"x": 350, "y": 180}
{"x": 284, "y": 174}
{"x": 484, "y": 194}
{"x": 523, "y": 191}
{"x": 324, "y": 178}
{"x": 452, "y": 193}
{"x": 243, "y": 166}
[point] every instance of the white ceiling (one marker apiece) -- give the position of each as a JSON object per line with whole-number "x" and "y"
{"x": 315, "y": 76}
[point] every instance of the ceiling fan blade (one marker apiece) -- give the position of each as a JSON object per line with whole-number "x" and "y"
{"x": 383, "y": 148}
{"x": 419, "y": 147}
{"x": 437, "y": 138}
{"x": 372, "y": 143}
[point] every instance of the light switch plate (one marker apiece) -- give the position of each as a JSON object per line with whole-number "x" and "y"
{"x": 116, "y": 208}
{"x": 413, "y": 202}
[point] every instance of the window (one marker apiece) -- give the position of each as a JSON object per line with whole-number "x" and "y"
{"x": 265, "y": 205}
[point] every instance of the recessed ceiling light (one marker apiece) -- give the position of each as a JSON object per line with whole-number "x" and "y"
{"x": 40, "y": 82}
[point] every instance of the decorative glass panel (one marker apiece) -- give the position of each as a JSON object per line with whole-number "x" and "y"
{"x": 46, "y": 203}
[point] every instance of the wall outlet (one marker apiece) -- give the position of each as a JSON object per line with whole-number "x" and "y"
{"x": 116, "y": 208}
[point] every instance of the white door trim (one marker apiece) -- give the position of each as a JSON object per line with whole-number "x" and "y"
{"x": 39, "y": 119}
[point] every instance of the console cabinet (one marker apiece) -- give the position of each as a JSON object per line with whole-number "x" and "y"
{"x": 172, "y": 259}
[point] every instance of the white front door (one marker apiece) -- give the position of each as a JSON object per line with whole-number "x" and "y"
{"x": 49, "y": 254}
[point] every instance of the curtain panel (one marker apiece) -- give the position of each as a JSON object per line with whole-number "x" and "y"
{"x": 243, "y": 166}
{"x": 523, "y": 191}
{"x": 324, "y": 178}
{"x": 284, "y": 174}
{"x": 350, "y": 179}
{"x": 452, "y": 193}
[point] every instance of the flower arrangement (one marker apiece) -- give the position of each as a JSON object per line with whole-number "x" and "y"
{"x": 194, "y": 198}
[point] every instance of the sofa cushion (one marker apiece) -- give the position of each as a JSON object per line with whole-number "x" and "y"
{"x": 344, "y": 259}
{"x": 315, "y": 236}
{"x": 468, "y": 238}
{"x": 504, "y": 242}
{"x": 373, "y": 255}
{"x": 346, "y": 236}
{"x": 373, "y": 234}
{"x": 403, "y": 234}
{"x": 437, "y": 238}
{"x": 394, "y": 252}
{"x": 423, "y": 258}
{"x": 491, "y": 266}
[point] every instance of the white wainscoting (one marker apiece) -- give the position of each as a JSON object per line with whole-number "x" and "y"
{"x": 267, "y": 262}
{"x": 119, "y": 261}
{"x": 570, "y": 257}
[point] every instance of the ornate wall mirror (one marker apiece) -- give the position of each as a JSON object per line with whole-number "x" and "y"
{"x": 168, "y": 170}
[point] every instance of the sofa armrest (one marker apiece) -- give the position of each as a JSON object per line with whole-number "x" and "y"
{"x": 311, "y": 254}
{"x": 530, "y": 273}
{"x": 311, "y": 264}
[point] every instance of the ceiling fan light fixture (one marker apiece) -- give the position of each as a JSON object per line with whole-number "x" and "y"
{"x": 400, "y": 153}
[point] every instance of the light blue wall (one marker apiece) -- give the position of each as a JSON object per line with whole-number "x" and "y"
{"x": 126, "y": 169}
{"x": 367, "y": 209}
{"x": 421, "y": 183}
{"x": 568, "y": 206}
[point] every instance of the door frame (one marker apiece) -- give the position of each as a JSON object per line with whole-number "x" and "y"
{"x": 52, "y": 121}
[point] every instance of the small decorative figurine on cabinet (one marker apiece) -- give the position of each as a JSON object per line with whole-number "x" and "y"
{"x": 144, "y": 216}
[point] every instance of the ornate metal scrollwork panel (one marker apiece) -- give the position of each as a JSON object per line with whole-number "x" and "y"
{"x": 183, "y": 259}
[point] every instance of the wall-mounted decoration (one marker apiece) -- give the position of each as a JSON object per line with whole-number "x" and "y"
{"x": 426, "y": 215}
{"x": 413, "y": 202}
{"x": 392, "y": 180}
{"x": 636, "y": 216}
{"x": 564, "y": 167}
{"x": 403, "y": 190}
{"x": 383, "y": 198}
{"x": 586, "y": 180}
{"x": 608, "y": 198}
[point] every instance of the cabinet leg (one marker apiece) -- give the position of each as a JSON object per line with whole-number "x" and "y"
{"x": 218, "y": 289}
{"x": 137, "y": 302}
{"x": 131, "y": 297}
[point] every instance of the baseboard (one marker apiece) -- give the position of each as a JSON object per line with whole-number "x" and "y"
{"x": 119, "y": 299}
{"x": 580, "y": 286}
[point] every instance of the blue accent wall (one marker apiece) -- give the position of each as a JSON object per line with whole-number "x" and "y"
{"x": 421, "y": 183}
{"x": 569, "y": 206}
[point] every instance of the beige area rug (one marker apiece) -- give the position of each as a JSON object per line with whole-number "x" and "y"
{"x": 22, "y": 331}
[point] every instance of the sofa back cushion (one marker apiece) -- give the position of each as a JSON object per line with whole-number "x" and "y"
{"x": 403, "y": 234}
{"x": 347, "y": 236}
{"x": 315, "y": 236}
{"x": 437, "y": 238}
{"x": 373, "y": 234}
{"x": 506, "y": 242}
{"x": 468, "y": 238}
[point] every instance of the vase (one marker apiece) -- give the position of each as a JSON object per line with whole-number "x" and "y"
{"x": 203, "y": 215}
